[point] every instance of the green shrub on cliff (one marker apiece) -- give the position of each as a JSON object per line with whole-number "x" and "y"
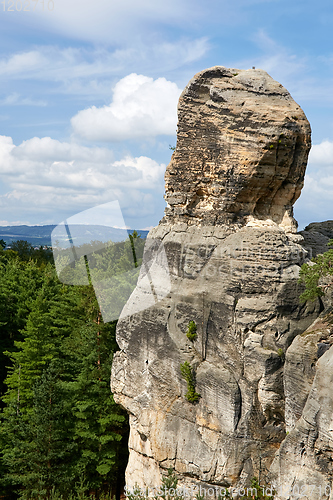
{"x": 189, "y": 375}
{"x": 191, "y": 331}
{"x": 317, "y": 276}
{"x": 256, "y": 491}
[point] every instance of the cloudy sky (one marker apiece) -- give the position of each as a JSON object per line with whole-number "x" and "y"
{"x": 89, "y": 89}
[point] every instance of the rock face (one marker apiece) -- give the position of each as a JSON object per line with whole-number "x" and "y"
{"x": 233, "y": 262}
{"x": 316, "y": 236}
{"x": 305, "y": 457}
{"x": 242, "y": 148}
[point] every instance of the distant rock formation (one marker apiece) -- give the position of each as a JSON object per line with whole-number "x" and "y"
{"x": 233, "y": 263}
{"x": 316, "y": 236}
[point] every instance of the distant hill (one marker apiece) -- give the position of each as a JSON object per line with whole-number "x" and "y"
{"x": 41, "y": 235}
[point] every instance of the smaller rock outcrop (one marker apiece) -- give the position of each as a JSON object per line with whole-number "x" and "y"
{"x": 316, "y": 236}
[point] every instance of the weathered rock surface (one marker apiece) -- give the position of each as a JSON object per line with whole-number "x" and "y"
{"x": 316, "y": 236}
{"x": 242, "y": 148}
{"x": 233, "y": 262}
{"x": 305, "y": 458}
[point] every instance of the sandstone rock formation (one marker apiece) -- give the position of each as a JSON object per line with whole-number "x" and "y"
{"x": 242, "y": 148}
{"x": 316, "y": 236}
{"x": 233, "y": 260}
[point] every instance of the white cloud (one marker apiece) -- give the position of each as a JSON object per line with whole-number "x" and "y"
{"x": 301, "y": 75}
{"x": 141, "y": 107}
{"x": 24, "y": 63}
{"x": 322, "y": 154}
{"x": 48, "y": 176}
{"x": 52, "y": 63}
{"x": 112, "y": 21}
{"x": 129, "y": 21}
{"x": 15, "y": 99}
{"x": 14, "y": 223}
{"x": 276, "y": 59}
{"x": 316, "y": 200}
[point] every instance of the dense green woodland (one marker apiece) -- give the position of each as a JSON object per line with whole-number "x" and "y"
{"x": 61, "y": 431}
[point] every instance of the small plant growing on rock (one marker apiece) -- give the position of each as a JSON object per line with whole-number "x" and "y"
{"x": 256, "y": 491}
{"x": 189, "y": 375}
{"x": 191, "y": 331}
{"x": 280, "y": 353}
{"x": 169, "y": 487}
{"x": 137, "y": 493}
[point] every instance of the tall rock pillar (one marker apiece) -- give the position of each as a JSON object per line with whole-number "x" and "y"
{"x": 231, "y": 263}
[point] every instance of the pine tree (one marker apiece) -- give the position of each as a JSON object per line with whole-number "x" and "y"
{"x": 100, "y": 425}
{"x": 60, "y": 425}
{"x": 42, "y": 449}
{"x": 54, "y": 314}
{"x": 19, "y": 286}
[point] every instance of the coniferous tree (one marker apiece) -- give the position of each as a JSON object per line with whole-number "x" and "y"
{"x": 42, "y": 450}
{"x": 100, "y": 425}
{"x": 19, "y": 285}
{"x": 60, "y": 425}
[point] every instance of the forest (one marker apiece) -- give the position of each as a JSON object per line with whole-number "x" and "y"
{"x": 62, "y": 435}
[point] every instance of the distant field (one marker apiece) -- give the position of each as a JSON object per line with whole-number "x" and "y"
{"x": 41, "y": 235}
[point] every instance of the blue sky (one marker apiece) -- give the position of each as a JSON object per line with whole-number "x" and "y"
{"x": 88, "y": 96}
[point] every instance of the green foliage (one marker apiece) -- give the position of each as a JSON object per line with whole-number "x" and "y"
{"x": 2, "y": 244}
{"x": 173, "y": 148}
{"x": 192, "y": 331}
{"x": 317, "y": 276}
{"x": 38, "y": 449}
{"x": 133, "y": 237}
{"x": 100, "y": 424}
{"x": 27, "y": 252}
{"x": 60, "y": 427}
{"x": 115, "y": 268}
{"x": 257, "y": 491}
{"x": 189, "y": 375}
{"x": 170, "y": 482}
{"x": 20, "y": 283}
{"x": 280, "y": 352}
